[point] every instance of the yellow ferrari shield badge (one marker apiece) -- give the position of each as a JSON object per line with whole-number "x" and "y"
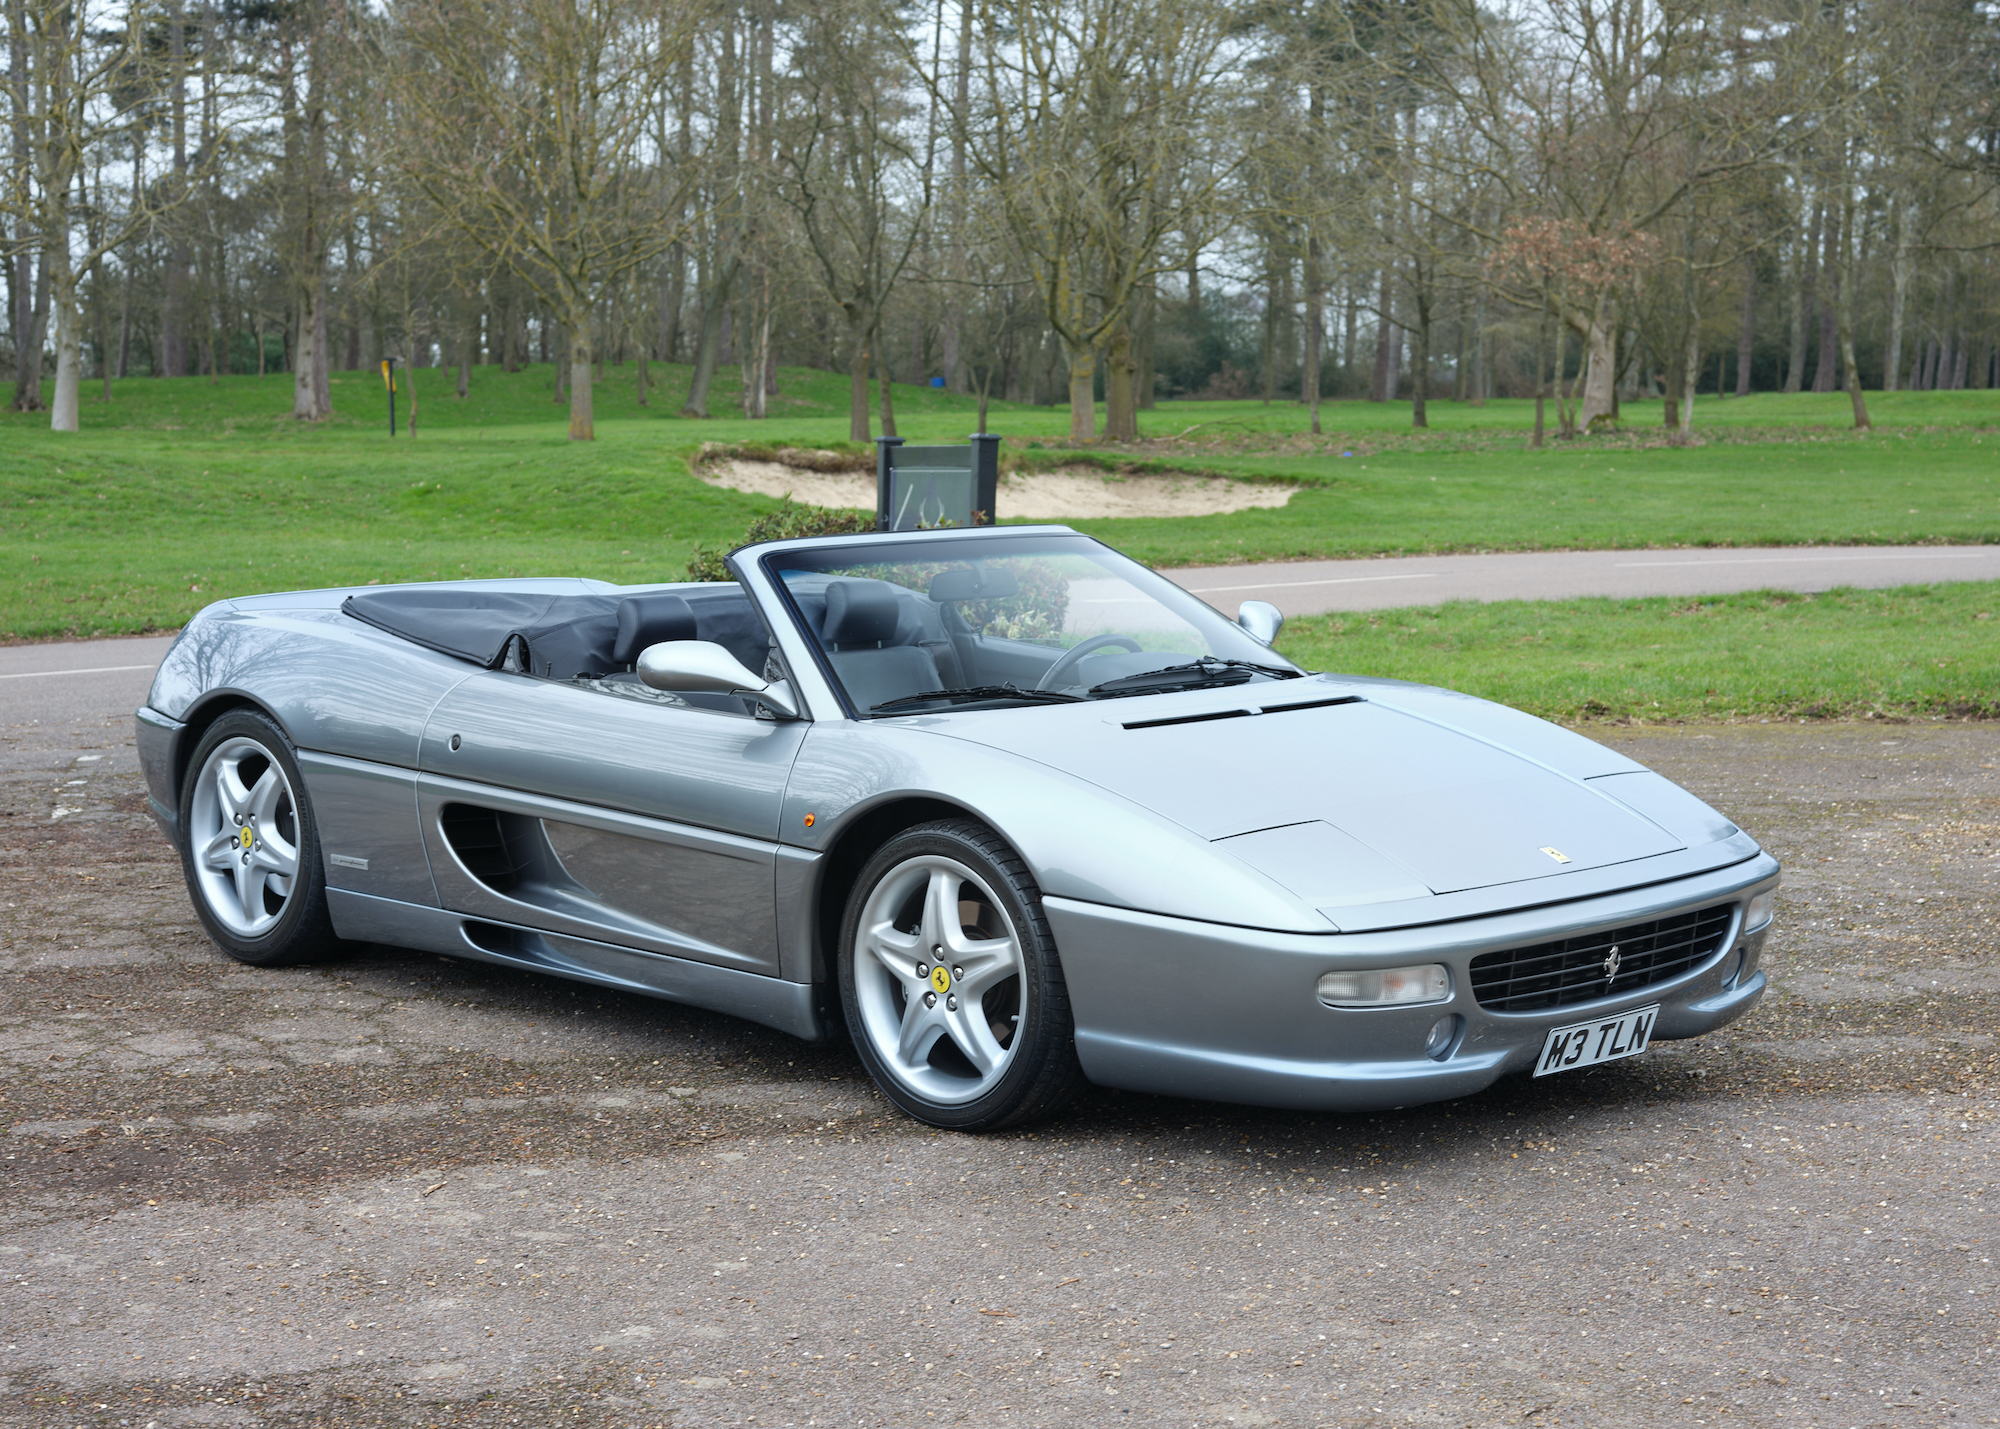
{"x": 941, "y": 978}
{"x": 244, "y": 836}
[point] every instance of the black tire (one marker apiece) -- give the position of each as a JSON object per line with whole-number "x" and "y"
{"x": 1036, "y": 1073}
{"x": 269, "y": 925}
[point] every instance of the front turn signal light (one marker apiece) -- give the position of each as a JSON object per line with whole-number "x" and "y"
{"x": 1758, "y": 912}
{"x": 1386, "y": 987}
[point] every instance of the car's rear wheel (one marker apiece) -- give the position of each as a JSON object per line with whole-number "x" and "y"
{"x": 950, "y": 981}
{"x": 249, "y": 848}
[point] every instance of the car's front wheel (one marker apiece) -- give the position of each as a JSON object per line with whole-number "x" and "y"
{"x": 249, "y": 848}
{"x": 950, "y": 981}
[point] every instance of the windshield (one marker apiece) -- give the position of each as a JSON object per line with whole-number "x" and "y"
{"x": 909, "y": 628}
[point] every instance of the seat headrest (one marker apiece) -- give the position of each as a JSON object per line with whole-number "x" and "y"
{"x": 648, "y": 620}
{"x": 859, "y": 612}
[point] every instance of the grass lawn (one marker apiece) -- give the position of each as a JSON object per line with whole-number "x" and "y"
{"x": 178, "y": 492}
{"x": 1920, "y": 650}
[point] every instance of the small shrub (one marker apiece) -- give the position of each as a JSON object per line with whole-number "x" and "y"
{"x": 787, "y": 521}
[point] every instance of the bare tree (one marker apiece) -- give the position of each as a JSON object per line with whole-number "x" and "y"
{"x": 1103, "y": 126}
{"x": 76, "y": 84}
{"x": 528, "y": 128}
{"x": 852, "y": 172}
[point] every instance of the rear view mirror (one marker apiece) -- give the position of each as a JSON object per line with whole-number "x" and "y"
{"x": 972, "y": 584}
{"x": 1261, "y": 619}
{"x": 703, "y": 667}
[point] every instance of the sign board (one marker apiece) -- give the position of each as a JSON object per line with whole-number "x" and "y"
{"x": 923, "y": 488}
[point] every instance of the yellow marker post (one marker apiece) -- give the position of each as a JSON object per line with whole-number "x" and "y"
{"x": 389, "y": 381}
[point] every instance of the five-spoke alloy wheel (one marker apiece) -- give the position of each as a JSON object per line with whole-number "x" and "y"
{"x": 249, "y": 848}
{"x": 951, "y": 984}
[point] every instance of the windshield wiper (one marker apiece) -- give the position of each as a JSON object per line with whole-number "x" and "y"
{"x": 1205, "y": 671}
{"x": 978, "y": 692}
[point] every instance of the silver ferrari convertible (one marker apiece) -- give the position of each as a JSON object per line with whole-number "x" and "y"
{"x": 1011, "y": 810}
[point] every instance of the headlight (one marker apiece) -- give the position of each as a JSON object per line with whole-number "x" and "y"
{"x": 1758, "y": 913}
{"x": 1386, "y": 987}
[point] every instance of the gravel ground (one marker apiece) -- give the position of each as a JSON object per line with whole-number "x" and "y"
{"x": 405, "y": 1190}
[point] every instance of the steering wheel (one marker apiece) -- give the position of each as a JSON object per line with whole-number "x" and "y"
{"x": 1072, "y": 657}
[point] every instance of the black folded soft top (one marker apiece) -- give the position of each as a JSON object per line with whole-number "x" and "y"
{"x": 563, "y": 637}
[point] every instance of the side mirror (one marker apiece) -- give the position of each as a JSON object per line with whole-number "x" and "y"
{"x": 703, "y": 667}
{"x": 1261, "y": 619}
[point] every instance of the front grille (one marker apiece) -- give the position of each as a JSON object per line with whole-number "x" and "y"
{"x": 1573, "y": 969}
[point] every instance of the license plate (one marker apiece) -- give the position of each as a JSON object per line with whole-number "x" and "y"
{"x": 1585, "y": 1044}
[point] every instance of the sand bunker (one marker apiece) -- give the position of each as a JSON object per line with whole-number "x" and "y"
{"x": 1069, "y": 493}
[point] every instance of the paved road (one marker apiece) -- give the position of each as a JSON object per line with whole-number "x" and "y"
{"x": 77, "y": 685}
{"x": 403, "y": 1190}
{"x": 1312, "y": 587}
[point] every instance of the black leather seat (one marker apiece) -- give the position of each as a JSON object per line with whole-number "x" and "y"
{"x": 861, "y": 617}
{"x": 650, "y": 619}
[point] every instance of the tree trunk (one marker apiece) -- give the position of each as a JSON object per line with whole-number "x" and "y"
{"x": 1800, "y": 296}
{"x": 1482, "y": 371}
{"x": 28, "y": 344}
{"x": 755, "y": 385}
{"x": 1271, "y": 301}
{"x": 1461, "y": 364}
{"x": 1382, "y": 388}
{"x": 1899, "y": 296}
{"x": 69, "y": 340}
{"x": 351, "y": 359}
{"x": 581, "y": 426}
{"x": 1121, "y": 372}
{"x": 709, "y": 343}
{"x": 1746, "y": 327}
{"x": 1691, "y": 378}
{"x": 125, "y": 327}
{"x": 888, "y": 398}
{"x": 1541, "y": 373}
{"x": 1829, "y": 323}
{"x": 214, "y": 331}
{"x": 1348, "y": 338}
{"x": 857, "y": 378}
{"x": 19, "y": 263}
{"x": 954, "y": 310}
{"x": 673, "y": 292}
{"x": 1565, "y": 391}
{"x": 1147, "y": 302}
{"x": 1420, "y": 361}
{"x": 1082, "y": 400}
{"x": 173, "y": 301}
{"x": 1315, "y": 322}
{"x": 312, "y": 394}
{"x": 1600, "y": 370}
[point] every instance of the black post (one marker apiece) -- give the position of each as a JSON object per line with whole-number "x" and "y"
{"x": 985, "y": 478}
{"x": 389, "y": 381}
{"x": 885, "y": 462}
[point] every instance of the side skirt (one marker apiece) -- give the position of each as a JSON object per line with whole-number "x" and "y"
{"x": 792, "y": 1007}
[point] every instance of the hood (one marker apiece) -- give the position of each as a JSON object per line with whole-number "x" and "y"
{"x": 1350, "y": 800}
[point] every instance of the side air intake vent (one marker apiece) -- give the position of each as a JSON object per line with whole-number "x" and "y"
{"x": 476, "y": 837}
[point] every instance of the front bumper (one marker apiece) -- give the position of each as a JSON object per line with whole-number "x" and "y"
{"x": 1179, "y": 1008}
{"x": 158, "y": 739}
